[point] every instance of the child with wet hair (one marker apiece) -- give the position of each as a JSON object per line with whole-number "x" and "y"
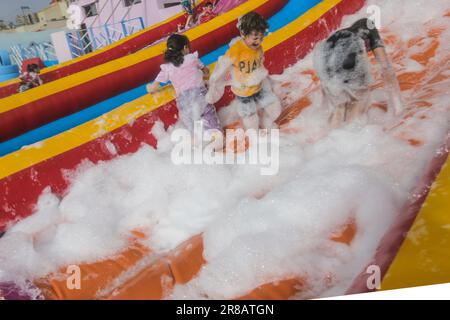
{"x": 343, "y": 66}
{"x": 30, "y": 79}
{"x": 186, "y": 73}
{"x": 249, "y": 78}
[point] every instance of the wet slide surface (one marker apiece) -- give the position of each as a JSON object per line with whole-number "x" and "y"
{"x": 304, "y": 233}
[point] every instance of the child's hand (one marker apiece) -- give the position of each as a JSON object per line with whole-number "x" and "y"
{"x": 206, "y": 73}
{"x": 153, "y": 87}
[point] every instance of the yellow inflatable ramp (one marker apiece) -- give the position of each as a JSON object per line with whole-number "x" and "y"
{"x": 424, "y": 257}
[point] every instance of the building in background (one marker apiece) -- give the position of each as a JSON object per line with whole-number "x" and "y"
{"x": 54, "y": 16}
{"x": 27, "y": 17}
{"x": 98, "y": 13}
{"x": 56, "y": 11}
{"x": 3, "y": 26}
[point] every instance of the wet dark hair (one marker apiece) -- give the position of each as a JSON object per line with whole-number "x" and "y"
{"x": 175, "y": 46}
{"x": 209, "y": 4}
{"x": 252, "y": 22}
{"x": 33, "y": 67}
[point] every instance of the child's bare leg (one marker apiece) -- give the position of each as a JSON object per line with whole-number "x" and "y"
{"x": 188, "y": 21}
{"x": 337, "y": 117}
{"x": 358, "y": 106}
{"x": 352, "y": 111}
{"x": 251, "y": 122}
{"x": 270, "y": 104}
{"x": 271, "y": 113}
{"x": 215, "y": 139}
{"x": 247, "y": 111}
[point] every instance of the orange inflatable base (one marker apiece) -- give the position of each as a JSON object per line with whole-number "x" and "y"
{"x": 138, "y": 274}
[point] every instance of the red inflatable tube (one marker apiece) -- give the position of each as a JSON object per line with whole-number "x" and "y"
{"x": 52, "y": 107}
{"x": 20, "y": 191}
{"x": 128, "y": 47}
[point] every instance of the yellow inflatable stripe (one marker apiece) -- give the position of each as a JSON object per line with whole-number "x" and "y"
{"x": 424, "y": 257}
{"x": 300, "y": 24}
{"x": 30, "y": 155}
{"x": 86, "y": 132}
{"x": 79, "y": 78}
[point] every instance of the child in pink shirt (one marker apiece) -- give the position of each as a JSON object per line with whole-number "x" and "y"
{"x": 186, "y": 72}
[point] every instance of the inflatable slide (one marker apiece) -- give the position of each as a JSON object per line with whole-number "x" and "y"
{"x": 104, "y": 201}
{"x": 105, "y": 78}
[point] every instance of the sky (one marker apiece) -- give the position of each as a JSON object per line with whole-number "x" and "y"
{"x": 10, "y": 8}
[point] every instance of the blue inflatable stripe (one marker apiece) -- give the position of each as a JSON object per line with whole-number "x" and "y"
{"x": 9, "y": 69}
{"x": 4, "y": 58}
{"x": 9, "y": 76}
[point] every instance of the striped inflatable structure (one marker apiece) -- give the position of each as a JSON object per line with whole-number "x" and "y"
{"x": 26, "y": 173}
{"x": 100, "y": 76}
{"x": 114, "y": 51}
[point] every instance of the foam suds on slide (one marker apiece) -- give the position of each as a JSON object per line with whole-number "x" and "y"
{"x": 258, "y": 229}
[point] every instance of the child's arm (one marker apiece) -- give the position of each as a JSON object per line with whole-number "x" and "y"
{"x": 153, "y": 87}
{"x": 205, "y": 71}
{"x": 390, "y": 79}
{"x": 162, "y": 77}
{"x": 218, "y": 79}
{"x": 201, "y": 66}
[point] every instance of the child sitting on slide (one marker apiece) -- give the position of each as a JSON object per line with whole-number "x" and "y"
{"x": 30, "y": 79}
{"x": 249, "y": 77}
{"x": 186, "y": 73}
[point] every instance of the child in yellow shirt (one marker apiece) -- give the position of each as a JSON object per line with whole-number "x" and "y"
{"x": 249, "y": 77}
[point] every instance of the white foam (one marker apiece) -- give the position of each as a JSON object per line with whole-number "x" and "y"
{"x": 361, "y": 171}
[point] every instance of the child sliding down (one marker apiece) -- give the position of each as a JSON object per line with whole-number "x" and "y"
{"x": 249, "y": 78}
{"x": 186, "y": 72}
